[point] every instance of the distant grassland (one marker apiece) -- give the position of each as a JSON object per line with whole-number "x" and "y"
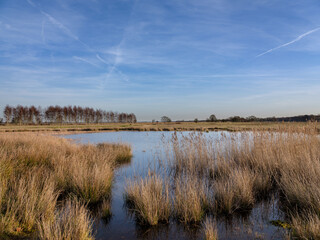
{"x": 172, "y": 126}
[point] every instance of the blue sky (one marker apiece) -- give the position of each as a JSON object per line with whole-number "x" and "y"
{"x": 180, "y": 58}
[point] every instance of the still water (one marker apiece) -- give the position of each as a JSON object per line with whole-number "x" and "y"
{"x": 148, "y": 148}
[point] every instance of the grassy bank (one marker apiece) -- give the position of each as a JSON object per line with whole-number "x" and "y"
{"x": 172, "y": 126}
{"x": 211, "y": 178}
{"x": 49, "y": 185}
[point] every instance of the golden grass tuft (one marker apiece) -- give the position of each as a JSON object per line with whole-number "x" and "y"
{"x": 70, "y": 222}
{"x": 123, "y": 151}
{"x": 149, "y": 199}
{"x": 191, "y": 153}
{"x": 28, "y": 199}
{"x": 88, "y": 175}
{"x": 190, "y": 199}
{"x": 210, "y": 229}
{"x": 234, "y": 193}
{"x": 305, "y": 226}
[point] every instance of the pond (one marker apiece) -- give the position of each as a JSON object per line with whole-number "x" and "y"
{"x": 147, "y": 148}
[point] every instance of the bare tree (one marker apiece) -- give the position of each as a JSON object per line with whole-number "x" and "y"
{"x": 8, "y": 113}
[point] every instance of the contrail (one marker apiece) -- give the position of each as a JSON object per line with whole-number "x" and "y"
{"x": 64, "y": 28}
{"x": 31, "y": 3}
{"x": 101, "y": 60}
{"x": 86, "y": 61}
{"x": 58, "y": 24}
{"x": 68, "y": 32}
{"x": 291, "y": 42}
{"x": 113, "y": 68}
{"x": 42, "y": 32}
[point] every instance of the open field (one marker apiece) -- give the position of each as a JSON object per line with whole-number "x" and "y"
{"x": 48, "y": 185}
{"x": 172, "y": 126}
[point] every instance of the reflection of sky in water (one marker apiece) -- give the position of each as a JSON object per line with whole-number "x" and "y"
{"x": 147, "y": 147}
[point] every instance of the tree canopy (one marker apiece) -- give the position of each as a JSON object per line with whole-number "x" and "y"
{"x": 165, "y": 119}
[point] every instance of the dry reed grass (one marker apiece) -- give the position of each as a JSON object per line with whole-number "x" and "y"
{"x": 71, "y": 222}
{"x": 305, "y": 226}
{"x": 242, "y": 169}
{"x": 88, "y": 175}
{"x": 245, "y": 168}
{"x": 123, "y": 151}
{"x": 191, "y": 199}
{"x": 28, "y": 199}
{"x": 234, "y": 193}
{"x": 36, "y": 170}
{"x": 210, "y": 229}
{"x": 192, "y": 153}
{"x": 149, "y": 199}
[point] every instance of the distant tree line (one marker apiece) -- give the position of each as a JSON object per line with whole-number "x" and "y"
{"x": 301, "y": 118}
{"x": 213, "y": 118}
{"x": 67, "y": 114}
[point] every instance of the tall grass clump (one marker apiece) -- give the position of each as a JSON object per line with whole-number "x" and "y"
{"x": 234, "y": 193}
{"x": 70, "y": 222}
{"x": 300, "y": 178}
{"x": 210, "y": 229}
{"x": 29, "y": 198}
{"x": 88, "y": 175}
{"x": 123, "y": 151}
{"x": 149, "y": 199}
{"x": 38, "y": 171}
{"x": 190, "y": 199}
{"x": 305, "y": 226}
{"x": 191, "y": 153}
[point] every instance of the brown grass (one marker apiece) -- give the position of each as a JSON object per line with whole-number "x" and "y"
{"x": 149, "y": 199}
{"x": 305, "y": 226}
{"x": 234, "y": 193}
{"x": 190, "y": 199}
{"x": 210, "y": 229}
{"x": 123, "y": 151}
{"x": 88, "y": 174}
{"x": 70, "y": 222}
{"x": 37, "y": 170}
{"x": 29, "y": 198}
{"x": 192, "y": 153}
{"x": 244, "y": 168}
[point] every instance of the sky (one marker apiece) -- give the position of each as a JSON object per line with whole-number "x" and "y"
{"x": 184, "y": 59}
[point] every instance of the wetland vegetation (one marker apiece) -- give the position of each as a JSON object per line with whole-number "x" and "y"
{"x": 208, "y": 178}
{"x": 48, "y": 185}
{"x": 219, "y": 185}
